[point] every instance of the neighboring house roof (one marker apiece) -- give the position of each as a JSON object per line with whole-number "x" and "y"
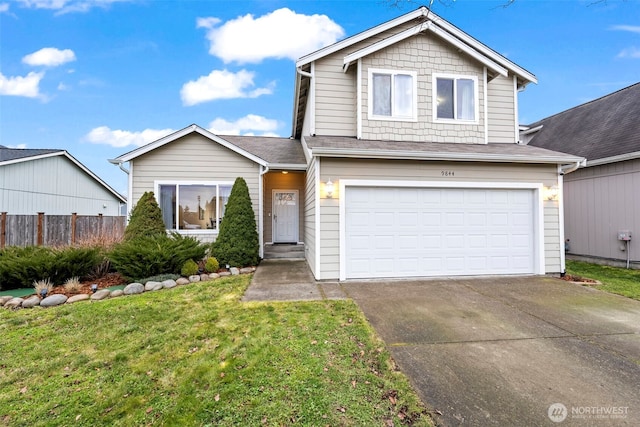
{"x": 332, "y": 146}
{"x": 266, "y": 151}
{"x": 425, "y": 21}
{"x": 10, "y": 156}
{"x": 604, "y": 130}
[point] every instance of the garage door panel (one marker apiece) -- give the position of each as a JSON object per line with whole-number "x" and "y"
{"x": 403, "y": 232}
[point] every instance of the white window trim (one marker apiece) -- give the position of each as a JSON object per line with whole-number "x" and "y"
{"x": 156, "y": 192}
{"x": 414, "y": 112}
{"x": 454, "y": 77}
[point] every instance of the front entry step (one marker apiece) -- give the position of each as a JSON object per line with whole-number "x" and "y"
{"x": 284, "y": 250}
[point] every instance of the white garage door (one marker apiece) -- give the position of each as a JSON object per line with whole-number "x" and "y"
{"x": 405, "y": 232}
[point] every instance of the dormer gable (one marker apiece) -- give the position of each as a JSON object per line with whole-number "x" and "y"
{"x": 416, "y": 77}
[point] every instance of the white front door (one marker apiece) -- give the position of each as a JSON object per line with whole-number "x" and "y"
{"x": 285, "y": 216}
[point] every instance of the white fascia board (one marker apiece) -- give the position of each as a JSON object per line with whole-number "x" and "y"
{"x": 183, "y": 132}
{"x": 375, "y": 47}
{"x": 287, "y": 166}
{"x": 482, "y": 48}
{"x": 613, "y": 159}
{"x": 28, "y": 159}
{"x": 306, "y": 150}
{"x": 421, "y": 11}
{"x": 454, "y": 157}
{"x": 469, "y": 50}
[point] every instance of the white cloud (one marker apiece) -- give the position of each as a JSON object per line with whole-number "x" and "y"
{"x": 49, "y": 57}
{"x": 123, "y": 138}
{"x": 222, "y": 84}
{"x": 21, "y": 146}
{"x": 246, "y": 125}
{"x": 67, "y": 6}
{"x": 4, "y": 7}
{"x": 28, "y": 86}
{"x": 629, "y": 28}
{"x": 275, "y": 35}
{"x": 630, "y": 52}
{"x": 62, "y": 86}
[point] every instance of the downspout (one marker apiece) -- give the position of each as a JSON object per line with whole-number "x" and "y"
{"x": 119, "y": 164}
{"x": 303, "y": 73}
{"x": 263, "y": 171}
{"x": 563, "y": 170}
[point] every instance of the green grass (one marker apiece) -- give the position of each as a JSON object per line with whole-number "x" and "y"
{"x": 195, "y": 355}
{"x": 616, "y": 280}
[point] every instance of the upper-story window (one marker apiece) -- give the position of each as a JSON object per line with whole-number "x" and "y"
{"x": 392, "y": 95}
{"x": 456, "y": 98}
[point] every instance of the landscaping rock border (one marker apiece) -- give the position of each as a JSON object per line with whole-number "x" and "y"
{"x": 10, "y": 302}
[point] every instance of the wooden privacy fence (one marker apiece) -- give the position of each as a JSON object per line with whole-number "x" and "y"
{"x": 57, "y": 230}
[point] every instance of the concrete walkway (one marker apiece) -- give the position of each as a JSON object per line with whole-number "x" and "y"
{"x": 289, "y": 280}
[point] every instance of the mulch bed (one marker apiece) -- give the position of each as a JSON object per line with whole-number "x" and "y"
{"x": 572, "y": 278}
{"x": 110, "y": 279}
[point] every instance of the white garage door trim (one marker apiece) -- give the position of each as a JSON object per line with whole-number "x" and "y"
{"x": 538, "y": 214}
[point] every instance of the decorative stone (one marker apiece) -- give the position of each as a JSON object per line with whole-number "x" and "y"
{"x": 5, "y": 299}
{"x": 31, "y": 302}
{"x": 194, "y": 278}
{"x": 169, "y": 283}
{"x": 100, "y": 295}
{"x": 224, "y": 273}
{"x": 76, "y": 298}
{"x": 204, "y": 277}
{"x": 53, "y": 300}
{"x": 213, "y": 276}
{"x": 133, "y": 288}
{"x": 246, "y": 270}
{"x": 152, "y": 286}
{"x": 14, "y": 303}
{"x": 234, "y": 271}
{"x": 183, "y": 281}
{"x": 117, "y": 293}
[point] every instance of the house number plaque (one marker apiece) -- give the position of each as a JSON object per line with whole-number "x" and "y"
{"x": 446, "y": 173}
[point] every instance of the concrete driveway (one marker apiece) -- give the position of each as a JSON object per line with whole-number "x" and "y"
{"x": 524, "y": 351}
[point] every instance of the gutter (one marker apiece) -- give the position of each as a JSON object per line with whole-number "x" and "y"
{"x": 119, "y": 164}
{"x": 412, "y": 155}
{"x": 565, "y": 169}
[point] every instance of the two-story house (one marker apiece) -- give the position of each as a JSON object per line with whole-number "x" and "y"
{"x": 404, "y": 161}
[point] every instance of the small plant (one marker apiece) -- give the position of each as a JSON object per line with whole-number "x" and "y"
{"x": 43, "y": 287}
{"x": 212, "y": 265}
{"x": 189, "y": 268}
{"x": 160, "y": 278}
{"x": 72, "y": 285}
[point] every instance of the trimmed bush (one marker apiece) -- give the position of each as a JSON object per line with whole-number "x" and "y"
{"x": 237, "y": 243}
{"x": 20, "y": 267}
{"x": 146, "y": 218}
{"x": 189, "y": 268}
{"x": 212, "y": 265}
{"x": 155, "y": 254}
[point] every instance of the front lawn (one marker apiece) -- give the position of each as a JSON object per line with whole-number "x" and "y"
{"x": 616, "y": 280}
{"x": 195, "y": 355}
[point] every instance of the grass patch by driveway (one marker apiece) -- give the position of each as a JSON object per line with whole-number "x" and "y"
{"x": 195, "y": 355}
{"x": 616, "y": 280}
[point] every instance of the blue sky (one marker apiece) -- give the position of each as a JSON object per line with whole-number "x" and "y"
{"x": 99, "y": 78}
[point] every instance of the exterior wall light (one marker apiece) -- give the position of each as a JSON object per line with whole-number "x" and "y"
{"x": 328, "y": 188}
{"x": 551, "y": 193}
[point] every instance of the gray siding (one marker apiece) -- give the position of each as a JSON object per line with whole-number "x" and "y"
{"x": 279, "y": 181}
{"x": 599, "y": 202}
{"x": 310, "y": 198}
{"x": 194, "y": 158}
{"x": 501, "y": 109}
{"x": 55, "y": 186}
{"x": 424, "y": 54}
{"x": 336, "y": 170}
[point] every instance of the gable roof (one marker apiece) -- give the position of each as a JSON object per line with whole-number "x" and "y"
{"x": 604, "y": 130}
{"x": 331, "y": 146}
{"x": 266, "y": 151}
{"x": 9, "y": 156}
{"x": 425, "y": 20}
